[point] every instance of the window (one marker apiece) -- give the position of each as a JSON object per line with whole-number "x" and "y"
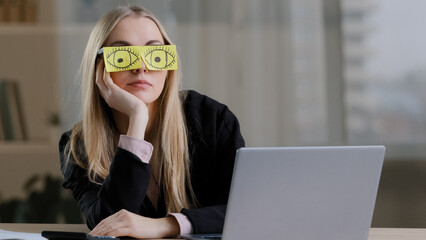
{"x": 385, "y": 73}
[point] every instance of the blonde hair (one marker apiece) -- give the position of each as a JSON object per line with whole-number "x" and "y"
{"x": 170, "y": 159}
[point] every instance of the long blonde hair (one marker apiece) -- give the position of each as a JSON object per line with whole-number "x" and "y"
{"x": 170, "y": 159}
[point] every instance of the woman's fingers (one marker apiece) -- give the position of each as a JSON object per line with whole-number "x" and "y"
{"x": 125, "y": 223}
{"x": 107, "y": 226}
{"x": 107, "y": 88}
{"x": 108, "y": 80}
{"x": 100, "y": 79}
{"x": 117, "y": 232}
{"x": 118, "y": 224}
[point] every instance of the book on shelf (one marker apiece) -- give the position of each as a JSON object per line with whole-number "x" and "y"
{"x": 13, "y": 11}
{"x": 11, "y": 113}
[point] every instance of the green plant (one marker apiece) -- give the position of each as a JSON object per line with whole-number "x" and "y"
{"x": 54, "y": 119}
{"x": 51, "y": 204}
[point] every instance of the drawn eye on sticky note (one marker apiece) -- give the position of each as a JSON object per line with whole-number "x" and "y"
{"x": 160, "y": 57}
{"x": 122, "y": 58}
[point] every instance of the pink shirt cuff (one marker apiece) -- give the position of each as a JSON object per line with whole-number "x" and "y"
{"x": 184, "y": 223}
{"x": 140, "y": 148}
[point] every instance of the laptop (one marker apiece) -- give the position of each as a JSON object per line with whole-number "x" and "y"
{"x": 321, "y": 193}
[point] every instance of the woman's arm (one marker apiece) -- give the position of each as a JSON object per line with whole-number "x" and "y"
{"x": 113, "y": 208}
{"x": 124, "y": 102}
{"x": 125, "y": 223}
{"x": 124, "y": 188}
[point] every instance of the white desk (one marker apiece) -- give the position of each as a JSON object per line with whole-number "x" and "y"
{"x": 375, "y": 233}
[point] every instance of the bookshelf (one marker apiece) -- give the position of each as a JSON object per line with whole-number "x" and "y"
{"x": 42, "y": 83}
{"x": 22, "y": 44}
{"x": 27, "y": 147}
{"x": 31, "y": 30}
{"x": 30, "y": 60}
{"x": 43, "y": 57}
{"x": 26, "y": 29}
{"x": 19, "y": 161}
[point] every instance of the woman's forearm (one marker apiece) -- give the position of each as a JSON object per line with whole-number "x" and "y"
{"x": 168, "y": 226}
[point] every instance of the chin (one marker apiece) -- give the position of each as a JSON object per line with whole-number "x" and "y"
{"x": 146, "y": 98}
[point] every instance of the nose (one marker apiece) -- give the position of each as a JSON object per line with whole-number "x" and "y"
{"x": 141, "y": 69}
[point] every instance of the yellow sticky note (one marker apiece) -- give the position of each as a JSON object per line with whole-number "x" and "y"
{"x": 156, "y": 57}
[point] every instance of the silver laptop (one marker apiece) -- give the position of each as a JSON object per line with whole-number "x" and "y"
{"x": 321, "y": 193}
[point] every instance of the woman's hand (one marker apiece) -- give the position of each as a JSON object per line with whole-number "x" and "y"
{"x": 125, "y": 223}
{"x": 123, "y": 101}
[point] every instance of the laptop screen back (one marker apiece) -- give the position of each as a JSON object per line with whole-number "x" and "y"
{"x": 303, "y": 193}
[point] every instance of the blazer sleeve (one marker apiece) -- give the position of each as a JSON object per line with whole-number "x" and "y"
{"x": 222, "y": 137}
{"x": 124, "y": 188}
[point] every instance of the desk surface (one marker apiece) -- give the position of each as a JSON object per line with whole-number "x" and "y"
{"x": 37, "y": 228}
{"x": 375, "y": 233}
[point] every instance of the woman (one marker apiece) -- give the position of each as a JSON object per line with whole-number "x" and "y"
{"x": 146, "y": 160}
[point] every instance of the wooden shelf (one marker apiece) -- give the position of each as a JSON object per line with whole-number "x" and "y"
{"x": 30, "y": 147}
{"x": 34, "y": 29}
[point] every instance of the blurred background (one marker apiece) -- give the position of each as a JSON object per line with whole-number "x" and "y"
{"x": 295, "y": 72}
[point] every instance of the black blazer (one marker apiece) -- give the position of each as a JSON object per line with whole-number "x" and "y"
{"x": 214, "y": 136}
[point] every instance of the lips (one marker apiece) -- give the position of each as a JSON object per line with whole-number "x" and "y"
{"x": 140, "y": 83}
